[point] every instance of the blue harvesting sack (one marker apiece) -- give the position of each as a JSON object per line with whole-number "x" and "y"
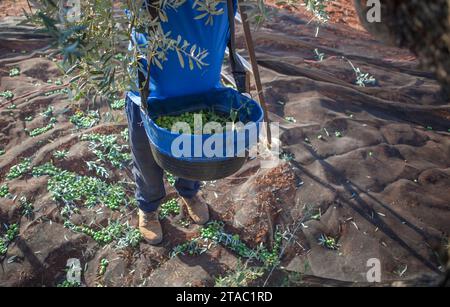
{"x": 230, "y": 143}
{"x": 175, "y": 80}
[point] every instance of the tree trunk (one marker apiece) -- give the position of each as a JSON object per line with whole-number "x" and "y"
{"x": 422, "y": 26}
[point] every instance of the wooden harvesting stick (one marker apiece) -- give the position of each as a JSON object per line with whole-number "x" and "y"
{"x": 256, "y": 75}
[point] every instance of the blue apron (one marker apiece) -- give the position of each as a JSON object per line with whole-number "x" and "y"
{"x": 173, "y": 80}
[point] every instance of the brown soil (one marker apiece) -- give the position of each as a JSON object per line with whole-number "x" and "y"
{"x": 379, "y": 186}
{"x": 341, "y": 12}
{"x": 13, "y": 8}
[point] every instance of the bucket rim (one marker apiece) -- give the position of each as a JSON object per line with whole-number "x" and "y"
{"x": 161, "y": 130}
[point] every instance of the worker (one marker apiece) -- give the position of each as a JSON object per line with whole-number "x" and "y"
{"x": 173, "y": 81}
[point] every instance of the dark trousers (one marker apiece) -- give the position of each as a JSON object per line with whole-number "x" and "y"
{"x": 148, "y": 175}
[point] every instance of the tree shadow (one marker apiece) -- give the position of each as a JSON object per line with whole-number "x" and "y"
{"x": 364, "y": 209}
{"x": 206, "y": 261}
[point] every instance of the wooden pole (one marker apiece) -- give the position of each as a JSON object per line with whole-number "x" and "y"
{"x": 256, "y": 75}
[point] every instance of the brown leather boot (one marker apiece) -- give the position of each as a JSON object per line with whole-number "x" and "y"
{"x": 197, "y": 209}
{"x": 150, "y": 227}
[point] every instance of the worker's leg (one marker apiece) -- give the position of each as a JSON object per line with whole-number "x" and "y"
{"x": 148, "y": 175}
{"x": 195, "y": 204}
{"x": 187, "y": 188}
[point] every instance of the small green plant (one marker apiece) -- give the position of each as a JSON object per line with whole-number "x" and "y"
{"x": 4, "y": 190}
{"x": 69, "y": 284}
{"x": 191, "y": 247}
{"x": 12, "y": 107}
{"x": 26, "y": 208}
{"x": 13, "y": 72}
{"x": 338, "y": 134}
{"x": 171, "y": 207}
{"x": 85, "y": 120}
{"x": 118, "y": 104}
{"x": 317, "y": 216}
{"x": 363, "y": 79}
{"x": 328, "y": 242}
{"x": 290, "y": 119}
{"x": 123, "y": 234}
{"x": 63, "y": 91}
{"x": 2, "y": 152}
{"x": 320, "y": 56}
{"x": 12, "y": 231}
{"x": 401, "y": 270}
{"x": 287, "y": 156}
{"x": 125, "y": 134}
{"x": 318, "y": 8}
{"x": 108, "y": 150}
{"x": 241, "y": 276}
{"x": 120, "y": 57}
{"x": 3, "y": 247}
{"x": 184, "y": 223}
{"x": 67, "y": 210}
{"x": 20, "y": 169}
{"x": 48, "y": 113}
{"x": 170, "y": 178}
{"x": 271, "y": 257}
{"x": 103, "y": 236}
{"x": 38, "y": 131}
{"x": 98, "y": 169}
{"x": 213, "y": 233}
{"x": 60, "y": 154}
{"x": 103, "y": 266}
{"x": 28, "y": 118}
{"x": 131, "y": 237}
{"x": 8, "y": 95}
{"x": 45, "y": 169}
{"x": 71, "y": 188}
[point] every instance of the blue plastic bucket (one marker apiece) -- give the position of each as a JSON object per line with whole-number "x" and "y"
{"x": 202, "y": 156}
